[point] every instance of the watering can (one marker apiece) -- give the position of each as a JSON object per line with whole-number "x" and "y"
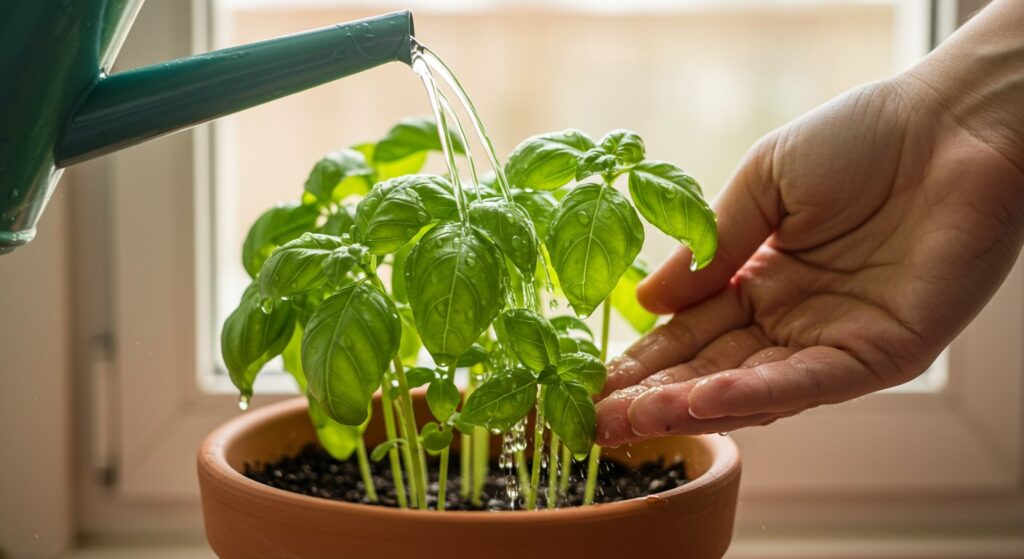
{"x": 59, "y": 106}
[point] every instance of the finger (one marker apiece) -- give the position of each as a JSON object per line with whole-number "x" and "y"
{"x": 810, "y": 377}
{"x": 767, "y": 355}
{"x": 639, "y": 412}
{"x": 749, "y": 209}
{"x": 728, "y": 351}
{"x": 677, "y": 340}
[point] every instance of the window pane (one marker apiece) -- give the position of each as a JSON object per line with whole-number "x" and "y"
{"x": 700, "y": 81}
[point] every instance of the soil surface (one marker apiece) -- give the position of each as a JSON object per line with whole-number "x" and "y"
{"x": 314, "y": 472}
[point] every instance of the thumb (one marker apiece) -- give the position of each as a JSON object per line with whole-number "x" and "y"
{"x": 749, "y": 209}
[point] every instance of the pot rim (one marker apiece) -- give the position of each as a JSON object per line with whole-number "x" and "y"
{"x": 212, "y": 460}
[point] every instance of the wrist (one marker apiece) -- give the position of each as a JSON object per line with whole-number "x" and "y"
{"x": 977, "y": 78}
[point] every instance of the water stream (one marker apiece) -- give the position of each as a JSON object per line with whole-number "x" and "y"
{"x": 429, "y": 67}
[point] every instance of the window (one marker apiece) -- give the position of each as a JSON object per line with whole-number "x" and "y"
{"x": 694, "y": 78}
{"x": 700, "y": 80}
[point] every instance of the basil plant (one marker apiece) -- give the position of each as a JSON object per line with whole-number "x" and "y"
{"x": 377, "y": 261}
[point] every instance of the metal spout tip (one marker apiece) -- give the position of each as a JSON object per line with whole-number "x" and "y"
{"x": 10, "y": 240}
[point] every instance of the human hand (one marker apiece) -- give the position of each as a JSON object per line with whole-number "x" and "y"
{"x": 855, "y": 244}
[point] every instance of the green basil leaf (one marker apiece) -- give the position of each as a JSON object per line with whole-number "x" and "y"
{"x": 435, "y": 438}
{"x": 502, "y": 400}
{"x": 572, "y": 326}
{"x": 475, "y": 355}
{"x": 508, "y": 227}
{"x": 338, "y": 175}
{"x": 382, "y": 450}
{"x": 569, "y": 344}
{"x": 341, "y": 261}
{"x": 297, "y": 266}
{"x": 250, "y": 337}
{"x": 398, "y": 267}
{"x": 410, "y": 137}
{"x": 627, "y": 146}
{"x": 584, "y": 369}
{"x": 340, "y": 441}
{"x": 292, "y": 357}
{"x": 275, "y": 227}
{"x": 548, "y": 376}
{"x": 538, "y": 205}
{"x": 397, "y": 209}
{"x": 305, "y": 305}
{"x": 531, "y": 338}
{"x": 443, "y": 398}
{"x": 418, "y": 376}
{"x": 547, "y": 161}
{"x": 338, "y": 223}
{"x": 596, "y": 161}
{"x": 624, "y": 298}
{"x": 409, "y": 351}
{"x": 384, "y": 170}
{"x": 456, "y": 421}
{"x": 593, "y": 237}
{"x": 672, "y": 201}
{"x": 455, "y": 278}
{"x": 569, "y": 411}
{"x": 348, "y": 344}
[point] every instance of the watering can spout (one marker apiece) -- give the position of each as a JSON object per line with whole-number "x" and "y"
{"x": 80, "y": 112}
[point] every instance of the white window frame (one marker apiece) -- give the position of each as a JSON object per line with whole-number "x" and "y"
{"x": 946, "y": 460}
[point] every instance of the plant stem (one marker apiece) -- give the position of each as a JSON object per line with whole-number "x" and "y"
{"x": 411, "y": 478}
{"x": 466, "y": 447}
{"x": 563, "y": 480}
{"x": 364, "y": 471}
{"x": 481, "y": 459}
{"x": 523, "y": 472}
{"x": 606, "y": 318}
{"x": 592, "y": 464}
{"x": 465, "y": 465}
{"x": 442, "y": 479}
{"x": 553, "y": 471}
{"x": 413, "y": 442}
{"x": 417, "y": 464}
{"x": 538, "y": 454}
{"x": 387, "y": 407}
{"x": 595, "y": 451}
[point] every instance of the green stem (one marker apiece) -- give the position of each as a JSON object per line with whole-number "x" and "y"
{"x": 481, "y": 459}
{"x": 417, "y": 464}
{"x": 412, "y": 479}
{"x": 595, "y": 452}
{"x": 387, "y": 407}
{"x": 553, "y": 471}
{"x": 442, "y": 479}
{"x": 364, "y": 470}
{"x": 466, "y": 448}
{"x": 538, "y": 455}
{"x": 606, "y": 318}
{"x": 413, "y": 441}
{"x": 465, "y": 465}
{"x": 563, "y": 480}
{"x": 592, "y": 464}
{"x": 523, "y": 472}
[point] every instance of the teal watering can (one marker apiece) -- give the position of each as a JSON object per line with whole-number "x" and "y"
{"x": 58, "y": 105}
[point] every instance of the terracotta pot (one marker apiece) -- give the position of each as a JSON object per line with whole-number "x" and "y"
{"x": 246, "y": 519}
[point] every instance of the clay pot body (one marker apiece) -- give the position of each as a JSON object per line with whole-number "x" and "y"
{"x": 246, "y": 519}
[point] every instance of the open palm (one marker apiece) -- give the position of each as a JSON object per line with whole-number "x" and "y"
{"x": 856, "y": 243}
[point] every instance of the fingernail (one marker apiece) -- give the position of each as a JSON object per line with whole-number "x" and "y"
{"x": 703, "y": 399}
{"x": 653, "y": 412}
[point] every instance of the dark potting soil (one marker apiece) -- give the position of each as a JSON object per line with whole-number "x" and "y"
{"x": 314, "y": 472}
